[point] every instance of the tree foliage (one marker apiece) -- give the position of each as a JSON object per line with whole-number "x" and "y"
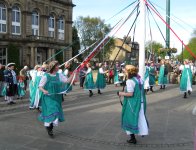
{"x": 76, "y": 40}
{"x": 192, "y": 46}
{"x": 154, "y": 48}
{"x": 13, "y": 55}
{"x": 91, "y": 30}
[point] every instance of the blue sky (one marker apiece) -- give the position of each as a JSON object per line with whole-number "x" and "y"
{"x": 184, "y": 10}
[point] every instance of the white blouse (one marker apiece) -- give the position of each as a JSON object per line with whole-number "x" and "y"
{"x": 43, "y": 80}
{"x": 66, "y": 72}
{"x": 89, "y": 70}
{"x": 131, "y": 85}
{"x": 101, "y": 70}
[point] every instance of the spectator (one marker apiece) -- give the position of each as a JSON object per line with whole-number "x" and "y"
{"x": 23, "y": 74}
{"x": 11, "y": 83}
{"x": 1, "y": 77}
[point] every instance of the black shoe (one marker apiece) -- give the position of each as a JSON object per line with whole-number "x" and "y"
{"x": 12, "y": 102}
{"x": 38, "y": 109}
{"x": 189, "y": 92}
{"x": 132, "y": 140}
{"x": 163, "y": 86}
{"x": 90, "y": 94}
{"x": 151, "y": 89}
{"x": 185, "y": 95}
{"x": 49, "y": 130}
{"x": 99, "y": 92}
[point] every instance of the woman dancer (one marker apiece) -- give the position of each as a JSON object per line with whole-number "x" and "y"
{"x": 101, "y": 81}
{"x": 52, "y": 84}
{"x": 134, "y": 106}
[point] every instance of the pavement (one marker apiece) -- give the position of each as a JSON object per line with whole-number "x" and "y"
{"x": 93, "y": 123}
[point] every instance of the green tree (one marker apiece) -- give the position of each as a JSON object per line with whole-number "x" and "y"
{"x": 154, "y": 48}
{"x": 91, "y": 30}
{"x": 192, "y": 46}
{"x": 76, "y": 40}
{"x": 13, "y": 55}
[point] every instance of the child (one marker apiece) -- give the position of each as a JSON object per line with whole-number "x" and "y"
{"x": 21, "y": 86}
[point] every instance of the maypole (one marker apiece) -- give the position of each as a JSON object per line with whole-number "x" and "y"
{"x": 168, "y": 22}
{"x": 142, "y": 39}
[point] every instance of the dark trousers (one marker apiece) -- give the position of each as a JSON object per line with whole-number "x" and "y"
{"x": 111, "y": 80}
{"x": 82, "y": 81}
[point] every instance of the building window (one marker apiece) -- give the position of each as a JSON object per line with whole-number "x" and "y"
{"x": 35, "y": 23}
{"x": 3, "y": 16}
{"x": 51, "y": 26}
{"x": 3, "y": 56}
{"x": 61, "y": 28}
{"x": 16, "y": 14}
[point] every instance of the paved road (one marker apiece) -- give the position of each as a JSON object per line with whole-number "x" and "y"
{"x": 94, "y": 123}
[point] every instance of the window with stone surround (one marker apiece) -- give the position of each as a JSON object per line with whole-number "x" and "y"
{"x": 3, "y": 18}
{"x": 51, "y": 26}
{"x": 61, "y": 29}
{"x": 16, "y": 19}
{"x": 35, "y": 23}
{"x": 3, "y": 56}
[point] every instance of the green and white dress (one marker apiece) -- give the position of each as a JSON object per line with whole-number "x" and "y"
{"x": 116, "y": 76}
{"x": 89, "y": 83}
{"x": 32, "y": 88}
{"x": 52, "y": 111}
{"x": 146, "y": 78}
{"x": 21, "y": 91}
{"x": 101, "y": 82}
{"x": 38, "y": 93}
{"x": 134, "y": 108}
{"x": 186, "y": 79}
{"x": 68, "y": 86}
{"x": 162, "y": 80}
{"x": 152, "y": 76}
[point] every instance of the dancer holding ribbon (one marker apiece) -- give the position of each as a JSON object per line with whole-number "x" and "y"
{"x": 101, "y": 81}
{"x": 134, "y": 105}
{"x": 89, "y": 83}
{"x": 52, "y": 84}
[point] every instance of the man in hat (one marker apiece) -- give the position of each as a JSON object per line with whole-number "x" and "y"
{"x": 11, "y": 83}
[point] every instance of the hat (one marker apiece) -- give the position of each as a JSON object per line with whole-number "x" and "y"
{"x": 36, "y": 67}
{"x": 25, "y": 67}
{"x": 67, "y": 64}
{"x": 10, "y": 64}
{"x": 131, "y": 69}
{"x": 52, "y": 64}
{"x": 100, "y": 64}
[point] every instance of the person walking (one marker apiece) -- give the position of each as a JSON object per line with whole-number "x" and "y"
{"x": 133, "y": 117}
{"x": 152, "y": 73}
{"x": 101, "y": 81}
{"x": 89, "y": 82}
{"x": 82, "y": 75}
{"x": 163, "y": 72}
{"x": 52, "y": 84}
{"x": 146, "y": 78}
{"x": 186, "y": 79}
{"x": 116, "y": 74}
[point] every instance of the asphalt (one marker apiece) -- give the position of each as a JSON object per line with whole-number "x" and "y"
{"x": 93, "y": 123}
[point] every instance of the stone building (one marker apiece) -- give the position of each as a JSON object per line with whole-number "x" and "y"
{"x": 38, "y": 28}
{"x": 129, "y": 52}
